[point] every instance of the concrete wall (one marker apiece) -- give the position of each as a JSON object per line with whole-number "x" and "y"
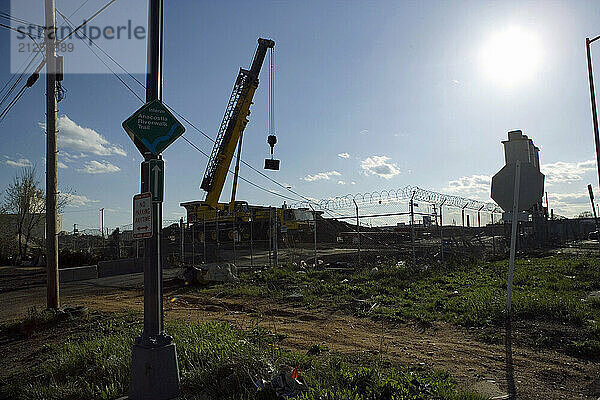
{"x": 78, "y": 273}
{"x": 120, "y": 267}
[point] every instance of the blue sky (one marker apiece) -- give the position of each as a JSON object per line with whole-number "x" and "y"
{"x": 368, "y": 96}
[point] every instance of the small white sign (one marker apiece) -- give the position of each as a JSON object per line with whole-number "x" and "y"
{"x": 142, "y": 216}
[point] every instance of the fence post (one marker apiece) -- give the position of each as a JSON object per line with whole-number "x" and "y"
{"x": 251, "y": 239}
{"x": 204, "y": 238}
{"x": 493, "y": 236}
{"x": 270, "y": 230}
{"x": 315, "y": 232}
{"x": 181, "y": 242}
{"x": 442, "y": 232}
{"x": 275, "y": 241}
{"x": 194, "y": 244}
{"x": 412, "y": 229}
{"x": 357, "y": 231}
{"x": 233, "y": 237}
{"x": 218, "y": 255}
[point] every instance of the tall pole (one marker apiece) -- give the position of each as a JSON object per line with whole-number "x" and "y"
{"x": 154, "y": 368}
{"x": 153, "y": 321}
{"x": 588, "y": 41}
{"x": 52, "y": 292}
{"x": 513, "y": 237}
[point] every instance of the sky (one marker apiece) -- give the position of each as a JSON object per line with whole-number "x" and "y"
{"x": 369, "y": 96}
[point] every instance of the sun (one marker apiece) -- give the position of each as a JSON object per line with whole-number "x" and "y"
{"x": 511, "y": 56}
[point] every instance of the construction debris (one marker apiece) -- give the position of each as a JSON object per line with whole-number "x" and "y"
{"x": 287, "y": 384}
{"x": 210, "y": 273}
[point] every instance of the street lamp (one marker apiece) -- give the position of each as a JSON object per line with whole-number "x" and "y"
{"x": 589, "y": 41}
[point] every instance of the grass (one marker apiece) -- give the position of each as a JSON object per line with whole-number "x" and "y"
{"x": 471, "y": 293}
{"x": 216, "y": 360}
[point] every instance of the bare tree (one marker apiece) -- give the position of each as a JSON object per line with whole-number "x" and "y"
{"x": 25, "y": 198}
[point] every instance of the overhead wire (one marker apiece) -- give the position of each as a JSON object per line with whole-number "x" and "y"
{"x": 174, "y": 111}
{"x": 41, "y": 65}
{"x": 10, "y": 17}
{"x": 186, "y": 119}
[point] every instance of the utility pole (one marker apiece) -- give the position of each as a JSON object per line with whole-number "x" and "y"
{"x": 52, "y": 292}
{"x": 154, "y": 368}
{"x": 589, "y": 41}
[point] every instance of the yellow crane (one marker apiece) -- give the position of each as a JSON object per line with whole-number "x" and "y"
{"x": 232, "y": 129}
{"x": 229, "y": 138}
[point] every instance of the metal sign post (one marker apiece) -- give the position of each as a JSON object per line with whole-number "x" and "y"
{"x": 154, "y": 368}
{"x": 513, "y": 237}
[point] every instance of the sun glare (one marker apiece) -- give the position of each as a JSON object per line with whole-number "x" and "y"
{"x": 511, "y": 56}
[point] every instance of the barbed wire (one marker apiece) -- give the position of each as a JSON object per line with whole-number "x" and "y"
{"x": 396, "y": 195}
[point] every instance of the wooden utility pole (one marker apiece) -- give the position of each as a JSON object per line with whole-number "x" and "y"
{"x": 52, "y": 297}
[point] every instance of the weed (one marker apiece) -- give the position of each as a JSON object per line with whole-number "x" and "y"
{"x": 216, "y": 359}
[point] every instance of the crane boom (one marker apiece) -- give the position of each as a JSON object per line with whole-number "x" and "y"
{"x": 233, "y": 125}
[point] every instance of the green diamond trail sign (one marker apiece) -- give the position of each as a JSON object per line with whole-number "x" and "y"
{"x": 154, "y": 127}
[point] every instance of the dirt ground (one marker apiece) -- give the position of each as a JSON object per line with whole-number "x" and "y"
{"x": 478, "y": 366}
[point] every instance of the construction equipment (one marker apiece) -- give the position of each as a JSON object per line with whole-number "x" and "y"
{"x": 222, "y": 221}
{"x": 232, "y": 129}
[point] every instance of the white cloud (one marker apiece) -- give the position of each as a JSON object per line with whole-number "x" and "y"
{"x": 567, "y": 172}
{"x": 364, "y": 132}
{"x": 321, "y": 176}
{"x": 476, "y": 186}
{"x": 344, "y": 155}
{"x": 85, "y": 140}
{"x": 341, "y": 183}
{"x": 97, "y": 167}
{"x": 570, "y": 204}
{"x": 20, "y": 162}
{"x": 62, "y": 165}
{"x": 74, "y": 200}
{"x": 379, "y": 165}
{"x": 353, "y": 183}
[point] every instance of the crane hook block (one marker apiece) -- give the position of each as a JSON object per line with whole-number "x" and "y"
{"x": 272, "y": 140}
{"x": 271, "y": 163}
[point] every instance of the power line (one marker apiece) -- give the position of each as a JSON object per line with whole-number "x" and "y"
{"x": 85, "y": 21}
{"x": 178, "y": 114}
{"x": 100, "y": 58}
{"x": 78, "y": 8}
{"x": 17, "y": 19}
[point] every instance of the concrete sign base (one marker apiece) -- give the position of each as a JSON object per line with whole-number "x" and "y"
{"x": 154, "y": 373}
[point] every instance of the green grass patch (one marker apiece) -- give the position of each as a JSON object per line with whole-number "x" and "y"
{"x": 216, "y": 360}
{"x": 469, "y": 293}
